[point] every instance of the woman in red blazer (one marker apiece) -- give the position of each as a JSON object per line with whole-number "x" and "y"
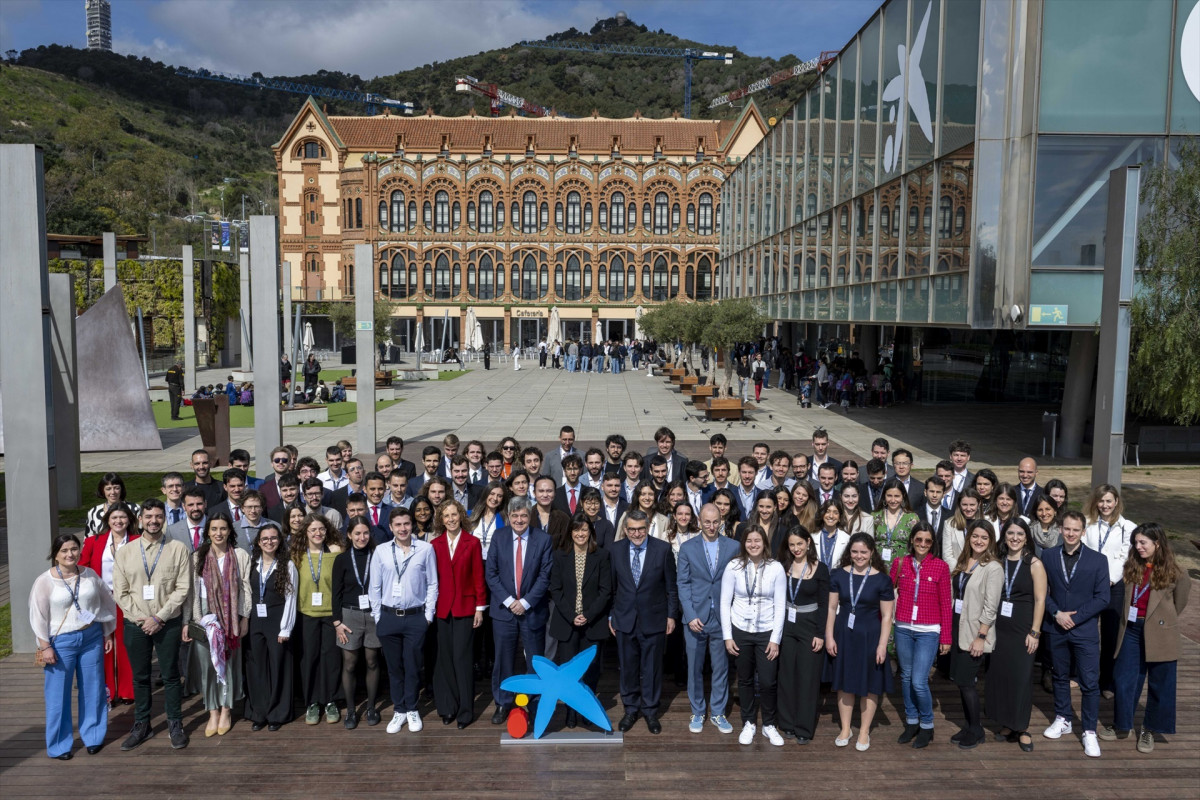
{"x": 461, "y": 601}
{"x": 117, "y": 529}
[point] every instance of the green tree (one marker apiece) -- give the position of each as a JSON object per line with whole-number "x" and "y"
{"x": 1164, "y": 380}
{"x": 345, "y": 322}
{"x": 733, "y": 320}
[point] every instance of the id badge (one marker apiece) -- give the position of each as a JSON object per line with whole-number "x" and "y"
{"x": 958, "y": 606}
{"x": 850, "y": 622}
{"x": 148, "y": 591}
{"x": 364, "y": 602}
{"x": 1133, "y": 613}
{"x": 1006, "y": 609}
{"x": 887, "y": 554}
{"x": 914, "y": 614}
{"x": 318, "y": 598}
{"x": 203, "y": 592}
{"x": 86, "y": 617}
{"x": 791, "y": 615}
{"x": 260, "y": 609}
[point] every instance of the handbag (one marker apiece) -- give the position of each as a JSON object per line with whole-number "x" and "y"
{"x": 38, "y": 657}
{"x": 197, "y": 631}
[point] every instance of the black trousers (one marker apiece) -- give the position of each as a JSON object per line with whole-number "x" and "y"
{"x": 268, "y": 673}
{"x": 176, "y": 395}
{"x": 320, "y": 660}
{"x": 402, "y": 640}
{"x": 454, "y": 674}
{"x": 1110, "y": 624}
{"x": 141, "y": 648}
{"x": 641, "y": 659}
{"x": 752, "y": 660}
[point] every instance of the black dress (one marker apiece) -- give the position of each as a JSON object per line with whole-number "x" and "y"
{"x": 799, "y": 682}
{"x": 1010, "y": 674}
{"x": 854, "y": 670}
{"x": 964, "y": 668}
{"x": 268, "y": 661}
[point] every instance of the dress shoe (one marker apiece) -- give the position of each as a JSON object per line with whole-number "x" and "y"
{"x": 373, "y": 717}
{"x": 969, "y": 741}
{"x": 179, "y": 737}
{"x": 627, "y": 721}
{"x": 94, "y": 749}
{"x": 910, "y": 732}
{"x": 654, "y": 726}
{"x": 802, "y": 740}
{"x": 257, "y": 726}
{"x": 923, "y": 738}
{"x": 65, "y": 756}
{"x": 351, "y": 721}
{"x": 500, "y": 716}
{"x": 1025, "y": 746}
{"x": 140, "y": 733}
{"x": 958, "y": 737}
{"x": 274, "y": 726}
{"x": 447, "y": 719}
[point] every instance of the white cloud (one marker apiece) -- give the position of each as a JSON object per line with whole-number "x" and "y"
{"x": 353, "y": 36}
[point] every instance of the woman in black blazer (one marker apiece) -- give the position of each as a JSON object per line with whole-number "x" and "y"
{"x": 581, "y": 588}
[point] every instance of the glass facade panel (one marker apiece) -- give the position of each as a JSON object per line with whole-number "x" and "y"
{"x": 1078, "y": 290}
{"x": 860, "y": 299}
{"x": 1185, "y": 96}
{"x": 893, "y": 119}
{"x": 868, "y": 105}
{"x": 847, "y": 94}
{"x": 915, "y": 306}
{"x": 1086, "y": 83}
{"x": 949, "y": 299}
{"x": 955, "y": 191}
{"x": 960, "y": 72}
{"x": 886, "y": 300}
{"x": 923, "y": 96}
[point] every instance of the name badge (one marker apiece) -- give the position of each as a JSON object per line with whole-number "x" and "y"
{"x": 318, "y": 598}
{"x": 364, "y": 602}
{"x": 1133, "y": 613}
{"x": 148, "y": 591}
{"x": 260, "y": 610}
{"x": 203, "y": 592}
{"x": 1006, "y": 609}
{"x": 86, "y": 617}
{"x": 850, "y": 622}
{"x": 791, "y": 615}
{"x": 958, "y": 606}
{"x": 887, "y": 554}
{"x": 914, "y": 614}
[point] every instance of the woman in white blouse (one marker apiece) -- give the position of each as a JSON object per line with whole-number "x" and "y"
{"x": 111, "y": 491}
{"x": 1110, "y": 535}
{"x": 73, "y": 617}
{"x": 831, "y": 540}
{"x": 645, "y": 498}
{"x": 753, "y": 592}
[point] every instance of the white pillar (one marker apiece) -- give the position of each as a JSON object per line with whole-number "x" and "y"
{"x": 66, "y": 390}
{"x": 244, "y": 326}
{"x": 285, "y": 278}
{"x": 189, "y": 322}
{"x": 264, "y": 295}
{"x": 110, "y": 260}
{"x": 26, "y": 371}
{"x": 364, "y": 312}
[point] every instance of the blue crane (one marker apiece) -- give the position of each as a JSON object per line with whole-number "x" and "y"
{"x": 285, "y": 85}
{"x": 688, "y": 54}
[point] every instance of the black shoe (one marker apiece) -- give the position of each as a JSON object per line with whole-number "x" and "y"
{"x": 910, "y": 731}
{"x": 500, "y": 716}
{"x": 627, "y": 721}
{"x": 372, "y": 715}
{"x": 969, "y": 741}
{"x": 1026, "y": 746}
{"x": 462, "y": 724}
{"x": 572, "y": 719}
{"x": 653, "y": 725}
{"x": 179, "y": 737}
{"x": 958, "y": 737}
{"x": 446, "y": 719}
{"x": 351, "y": 721}
{"x": 802, "y": 740}
{"x": 65, "y": 756}
{"x": 140, "y": 733}
{"x": 258, "y": 726}
{"x": 924, "y": 737}
{"x": 274, "y": 726}
{"x": 94, "y": 749}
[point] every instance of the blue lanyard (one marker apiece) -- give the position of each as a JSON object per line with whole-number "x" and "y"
{"x": 892, "y": 530}
{"x": 316, "y": 576}
{"x": 1008, "y": 582}
{"x": 75, "y": 592}
{"x": 855, "y": 595}
{"x": 963, "y": 577}
{"x": 396, "y": 566}
{"x": 149, "y": 569}
{"x": 827, "y": 544}
{"x": 1107, "y": 533}
{"x": 366, "y": 576}
{"x": 1062, "y": 558}
{"x": 1138, "y": 592}
{"x": 262, "y": 579}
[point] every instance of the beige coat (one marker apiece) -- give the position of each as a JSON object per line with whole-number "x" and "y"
{"x": 981, "y": 605}
{"x": 1161, "y": 631}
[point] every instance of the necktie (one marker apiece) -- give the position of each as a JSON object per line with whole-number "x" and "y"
{"x": 933, "y": 520}
{"x": 196, "y": 537}
{"x": 1024, "y": 500}
{"x": 375, "y": 514}
{"x": 237, "y": 515}
{"x": 637, "y": 565}
{"x": 474, "y": 476}
{"x": 520, "y": 565}
{"x": 176, "y": 514}
{"x": 825, "y": 497}
{"x": 572, "y": 501}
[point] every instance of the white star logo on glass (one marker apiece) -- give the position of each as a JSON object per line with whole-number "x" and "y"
{"x": 907, "y": 88}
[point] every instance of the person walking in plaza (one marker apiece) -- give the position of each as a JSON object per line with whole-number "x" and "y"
{"x": 758, "y": 373}
{"x": 801, "y": 650}
{"x": 1018, "y": 632}
{"x": 273, "y": 584}
{"x": 99, "y": 553}
{"x": 319, "y": 660}
{"x": 219, "y": 614}
{"x": 353, "y": 625}
{"x": 1156, "y": 592}
{"x": 73, "y": 617}
{"x": 1110, "y": 535}
{"x": 152, "y": 580}
{"x": 461, "y": 601}
{"x": 175, "y": 388}
{"x": 978, "y": 581}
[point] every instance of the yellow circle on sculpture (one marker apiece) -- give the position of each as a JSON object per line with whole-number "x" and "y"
{"x": 522, "y": 700}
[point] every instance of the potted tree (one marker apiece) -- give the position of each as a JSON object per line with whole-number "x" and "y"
{"x": 733, "y": 320}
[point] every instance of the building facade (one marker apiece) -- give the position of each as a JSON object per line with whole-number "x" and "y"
{"x": 514, "y": 218}
{"x": 941, "y": 192}
{"x": 99, "y": 24}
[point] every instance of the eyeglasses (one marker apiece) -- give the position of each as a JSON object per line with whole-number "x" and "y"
{"x": 265, "y": 539}
{"x": 508, "y": 447}
{"x": 280, "y": 460}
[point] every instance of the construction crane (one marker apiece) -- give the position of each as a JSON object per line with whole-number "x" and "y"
{"x": 817, "y": 64}
{"x": 501, "y": 98}
{"x": 282, "y": 84}
{"x": 688, "y": 54}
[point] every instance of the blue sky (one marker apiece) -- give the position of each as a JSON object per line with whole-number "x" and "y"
{"x": 381, "y": 37}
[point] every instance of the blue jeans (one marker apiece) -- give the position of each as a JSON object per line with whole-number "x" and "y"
{"x": 1130, "y": 671}
{"x": 916, "y": 652}
{"x": 571, "y": 363}
{"x": 79, "y": 659}
{"x": 696, "y": 644}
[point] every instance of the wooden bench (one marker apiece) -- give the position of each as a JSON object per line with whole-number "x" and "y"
{"x": 1170, "y": 440}
{"x": 701, "y": 393}
{"x": 724, "y": 408}
{"x": 382, "y": 379}
{"x": 686, "y": 383}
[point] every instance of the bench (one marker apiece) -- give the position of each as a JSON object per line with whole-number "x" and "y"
{"x": 724, "y": 408}
{"x": 1169, "y": 440}
{"x": 701, "y": 393}
{"x": 382, "y": 379}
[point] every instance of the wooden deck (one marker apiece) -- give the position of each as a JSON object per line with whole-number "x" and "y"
{"x": 327, "y": 761}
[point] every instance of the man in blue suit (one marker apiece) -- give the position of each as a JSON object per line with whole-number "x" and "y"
{"x": 1077, "y": 591}
{"x": 702, "y": 562}
{"x": 520, "y": 596}
{"x": 644, "y": 609}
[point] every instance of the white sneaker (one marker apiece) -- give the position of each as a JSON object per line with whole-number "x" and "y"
{"x": 398, "y": 720}
{"x": 1091, "y": 745}
{"x": 414, "y": 721}
{"x": 1056, "y": 730}
{"x": 773, "y": 735}
{"x": 747, "y": 734}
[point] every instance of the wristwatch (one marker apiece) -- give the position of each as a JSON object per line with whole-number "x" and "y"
{"x": 982, "y": 636}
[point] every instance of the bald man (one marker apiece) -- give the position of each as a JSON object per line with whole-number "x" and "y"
{"x": 1028, "y": 491}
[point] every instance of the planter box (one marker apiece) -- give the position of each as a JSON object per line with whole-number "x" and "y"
{"x": 724, "y": 408}
{"x": 381, "y": 393}
{"x": 701, "y": 394}
{"x": 687, "y": 383}
{"x": 301, "y": 415}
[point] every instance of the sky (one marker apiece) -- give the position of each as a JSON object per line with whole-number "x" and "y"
{"x": 382, "y": 37}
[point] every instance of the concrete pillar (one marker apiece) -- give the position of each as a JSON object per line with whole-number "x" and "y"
{"x": 286, "y": 279}
{"x": 110, "y": 260}
{"x": 364, "y": 340}
{"x": 189, "y": 321}
{"x": 264, "y": 294}
{"x": 66, "y": 390}
{"x": 868, "y": 345}
{"x": 244, "y": 312}
{"x": 1077, "y": 392}
{"x": 26, "y": 370}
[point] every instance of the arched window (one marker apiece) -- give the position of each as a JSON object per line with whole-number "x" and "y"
{"x": 960, "y": 220}
{"x": 397, "y": 211}
{"x": 472, "y": 218}
{"x": 704, "y": 279}
{"x": 674, "y": 281}
{"x": 647, "y": 223}
{"x": 358, "y": 212}
{"x": 945, "y": 213}
{"x": 399, "y": 287}
{"x": 471, "y": 290}
{"x": 529, "y": 277}
{"x": 630, "y": 280}
{"x": 441, "y": 217}
{"x": 545, "y": 217}
{"x": 412, "y": 215}
{"x": 455, "y": 215}
{"x": 926, "y": 219}
{"x": 383, "y": 216}
{"x": 312, "y": 209}
{"x": 529, "y": 213}
{"x": 660, "y": 279}
{"x": 616, "y": 279}
{"x": 603, "y": 214}
{"x": 499, "y": 280}
{"x": 487, "y": 218}
{"x": 574, "y": 213}
{"x": 896, "y": 221}
{"x": 661, "y": 210}
{"x": 574, "y": 279}
{"x": 383, "y": 279}
{"x": 427, "y": 214}
{"x": 441, "y": 285}
{"x": 314, "y": 150}
{"x": 587, "y": 216}
{"x": 617, "y": 223}
{"x": 486, "y": 278}
{"x": 704, "y": 220}
{"x": 558, "y": 215}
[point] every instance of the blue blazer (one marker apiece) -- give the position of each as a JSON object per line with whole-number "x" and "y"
{"x": 535, "y": 575}
{"x": 644, "y": 608}
{"x": 1087, "y": 595}
{"x": 699, "y": 588}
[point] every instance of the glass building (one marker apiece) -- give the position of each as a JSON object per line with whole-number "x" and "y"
{"x": 951, "y": 167}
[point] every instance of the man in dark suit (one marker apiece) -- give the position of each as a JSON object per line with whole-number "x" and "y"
{"x": 746, "y": 491}
{"x": 461, "y": 487}
{"x": 519, "y": 596}
{"x": 568, "y": 488}
{"x": 1077, "y": 591}
{"x": 288, "y": 486}
{"x": 431, "y": 459}
{"x": 375, "y": 489}
{"x": 931, "y": 512}
{"x": 552, "y": 464}
{"x": 664, "y": 445}
{"x": 698, "y": 490}
{"x": 612, "y": 506}
{"x": 872, "y": 492}
{"x": 902, "y": 463}
{"x": 281, "y": 461}
{"x": 395, "y": 449}
{"x": 234, "y": 482}
{"x": 826, "y": 483}
{"x": 820, "y": 443}
{"x": 1028, "y": 492}
{"x": 645, "y": 605}
{"x": 960, "y": 455}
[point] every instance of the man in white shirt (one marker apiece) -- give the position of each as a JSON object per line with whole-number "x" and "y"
{"x": 593, "y": 464}
{"x": 960, "y": 454}
{"x": 746, "y": 491}
{"x": 1028, "y": 490}
{"x": 697, "y": 485}
{"x": 633, "y": 475}
{"x": 172, "y": 487}
{"x": 334, "y": 477}
{"x": 778, "y": 473}
{"x": 613, "y": 505}
{"x": 476, "y": 472}
{"x": 761, "y": 453}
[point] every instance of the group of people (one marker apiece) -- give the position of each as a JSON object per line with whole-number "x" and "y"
{"x": 601, "y": 356}
{"x": 794, "y": 572}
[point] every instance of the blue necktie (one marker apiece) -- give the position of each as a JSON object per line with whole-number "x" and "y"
{"x": 637, "y": 566}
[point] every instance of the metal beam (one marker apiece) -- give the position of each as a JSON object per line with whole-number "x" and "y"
{"x": 364, "y": 313}
{"x": 244, "y": 311}
{"x": 66, "y": 389}
{"x": 264, "y": 295}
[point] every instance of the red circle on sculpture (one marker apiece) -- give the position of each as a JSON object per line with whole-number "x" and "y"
{"x": 518, "y": 723}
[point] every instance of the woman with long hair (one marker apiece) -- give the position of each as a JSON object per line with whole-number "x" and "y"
{"x": 801, "y": 651}
{"x": 221, "y": 606}
{"x": 73, "y": 616}
{"x": 804, "y": 506}
{"x": 1111, "y": 535}
{"x": 783, "y": 502}
{"x": 830, "y": 540}
{"x": 1156, "y": 592}
{"x": 353, "y": 624}
{"x": 726, "y": 505}
{"x": 978, "y": 581}
{"x": 674, "y": 494}
{"x": 753, "y": 606}
{"x": 894, "y": 521}
{"x": 763, "y": 516}
{"x": 487, "y": 516}
{"x": 968, "y": 507}
{"x": 682, "y": 525}
{"x": 319, "y": 660}
{"x": 861, "y": 608}
{"x": 293, "y": 528}
{"x": 1018, "y": 631}
{"x": 509, "y": 448}
{"x": 854, "y": 519}
{"x": 273, "y": 582}
{"x": 422, "y": 511}
{"x": 645, "y": 499}
{"x": 116, "y": 529}
{"x": 1004, "y": 507}
{"x": 985, "y": 484}
{"x": 1056, "y": 490}
{"x": 111, "y": 491}
{"x": 1044, "y": 527}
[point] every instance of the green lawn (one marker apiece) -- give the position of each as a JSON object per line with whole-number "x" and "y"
{"x": 451, "y": 374}
{"x": 5, "y": 630}
{"x": 243, "y": 416}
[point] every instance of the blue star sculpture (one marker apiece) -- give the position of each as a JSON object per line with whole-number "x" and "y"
{"x": 565, "y": 684}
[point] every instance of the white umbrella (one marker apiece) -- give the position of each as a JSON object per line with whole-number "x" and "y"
{"x": 469, "y": 329}
{"x": 420, "y": 343}
{"x": 597, "y": 337}
{"x": 308, "y": 342}
{"x": 637, "y": 320}
{"x": 553, "y": 331}
{"x": 477, "y": 342}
